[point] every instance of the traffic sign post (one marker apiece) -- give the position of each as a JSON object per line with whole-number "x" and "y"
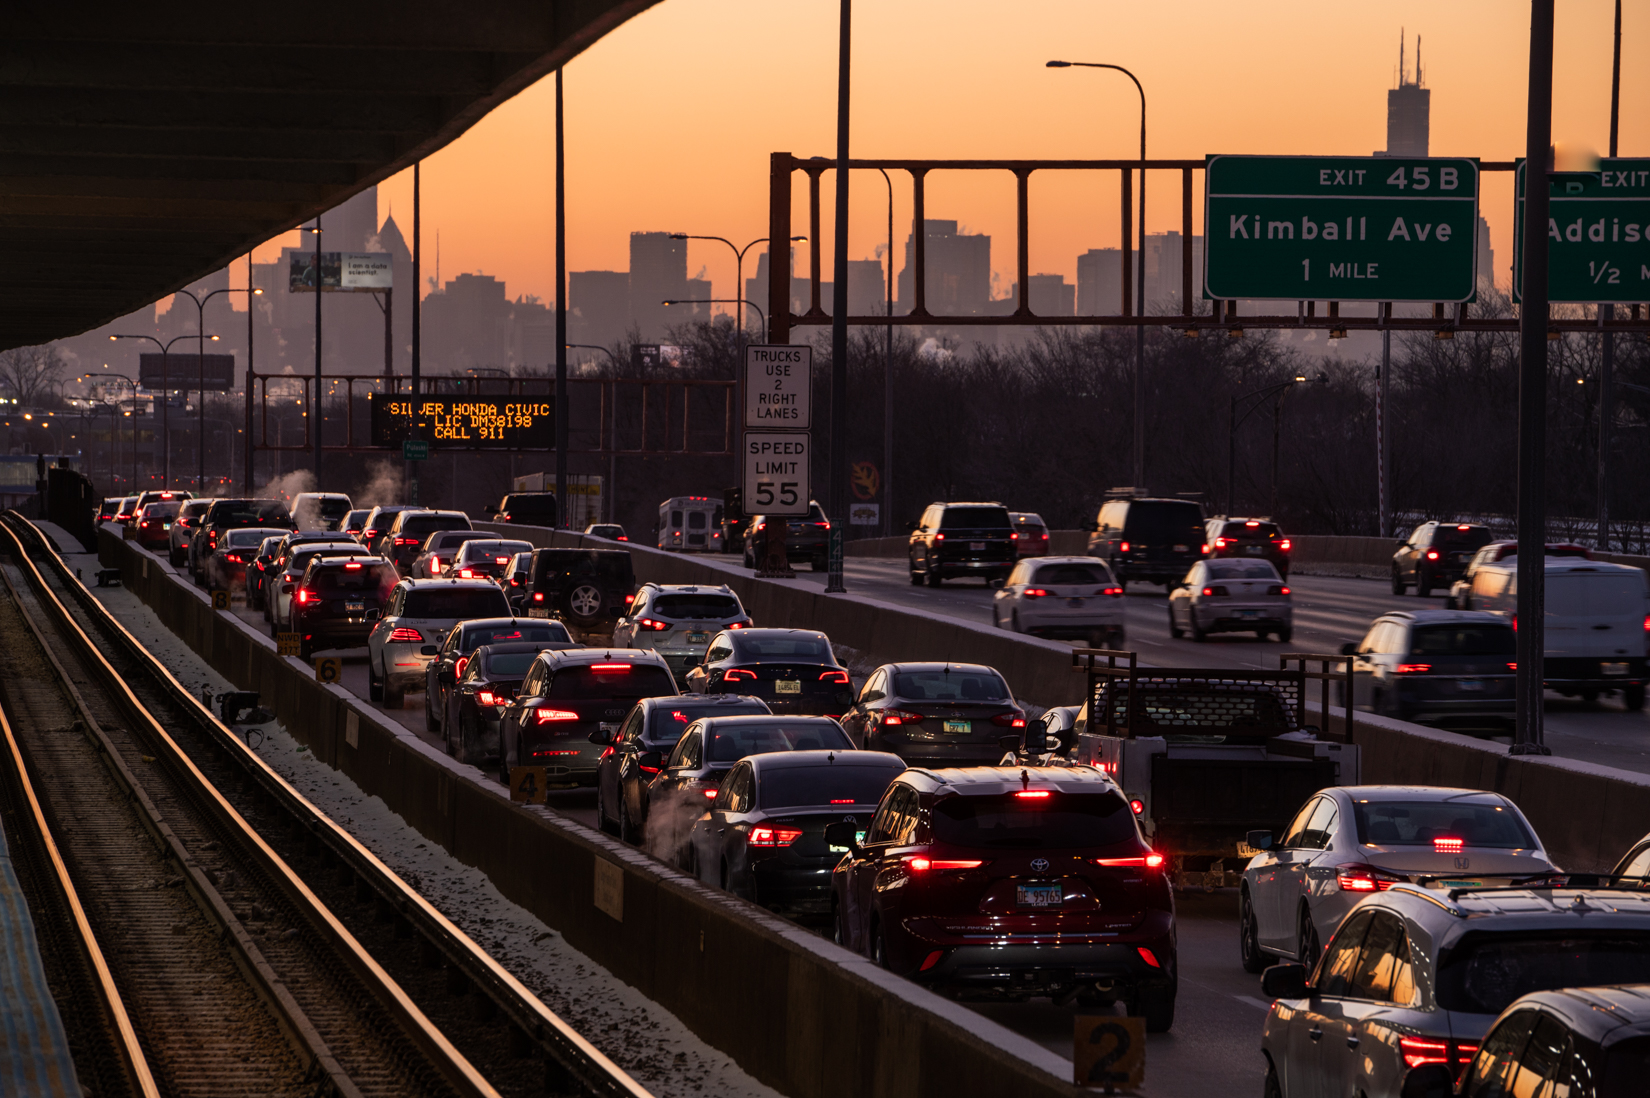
{"x": 778, "y": 386}
{"x": 1598, "y": 234}
{"x": 776, "y": 473}
{"x": 415, "y": 449}
{"x": 1353, "y": 228}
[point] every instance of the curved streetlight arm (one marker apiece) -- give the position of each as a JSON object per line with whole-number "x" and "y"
{"x": 738, "y": 265}
{"x": 724, "y": 301}
{"x": 1125, "y": 72}
{"x": 613, "y": 358}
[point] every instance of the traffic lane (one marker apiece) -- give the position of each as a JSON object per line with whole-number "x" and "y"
{"x": 1215, "y": 1042}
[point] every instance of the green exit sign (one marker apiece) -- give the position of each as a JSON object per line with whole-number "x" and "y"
{"x": 1598, "y": 234}
{"x": 1341, "y": 228}
{"x": 415, "y": 449}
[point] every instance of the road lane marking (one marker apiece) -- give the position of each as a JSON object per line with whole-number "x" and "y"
{"x": 1252, "y": 1001}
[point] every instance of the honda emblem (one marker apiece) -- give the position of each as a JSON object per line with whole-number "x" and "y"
{"x": 1040, "y": 864}
{"x": 1463, "y": 863}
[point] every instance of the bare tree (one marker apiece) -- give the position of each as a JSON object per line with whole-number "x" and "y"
{"x": 32, "y": 375}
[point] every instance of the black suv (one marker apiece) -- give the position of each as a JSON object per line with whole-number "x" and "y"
{"x": 1149, "y": 539}
{"x": 408, "y": 531}
{"x": 527, "y": 509}
{"x": 330, "y": 606}
{"x": 806, "y": 538}
{"x": 233, "y": 514}
{"x": 584, "y": 586}
{"x": 1247, "y": 537}
{"x": 963, "y": 539}
{"x": 566, "y": 698}
{"x": 1436, "y": 555}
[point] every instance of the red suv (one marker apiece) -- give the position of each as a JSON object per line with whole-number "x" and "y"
{"x": 1008, "y": 883}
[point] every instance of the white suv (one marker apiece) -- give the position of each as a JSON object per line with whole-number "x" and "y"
{"x": 677, "y": 621}
{"x": 410, "y": 633}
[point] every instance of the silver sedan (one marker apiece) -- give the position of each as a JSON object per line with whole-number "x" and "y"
{"x": 1231, "y": 595}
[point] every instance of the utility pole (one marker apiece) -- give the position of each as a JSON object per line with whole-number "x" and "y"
{"x": 1607, "y": 313}
{"x": 417, "y": 310}
{"x": 1383, "y": 464}
{"x": 315, "y": 403}
{"x": 836, "y": 471}
{"x": 562, "y": 510}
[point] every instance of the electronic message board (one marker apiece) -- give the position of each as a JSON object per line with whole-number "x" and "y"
{"x": 467, "y": 422}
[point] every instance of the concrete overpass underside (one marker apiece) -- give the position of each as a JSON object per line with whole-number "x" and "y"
{"x": 143, "y": 146}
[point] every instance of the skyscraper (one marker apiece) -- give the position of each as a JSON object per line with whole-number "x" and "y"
{"x": 658, "y": 273}
{"x": 1408, "y": 110}
{"x": 957, "y": 275}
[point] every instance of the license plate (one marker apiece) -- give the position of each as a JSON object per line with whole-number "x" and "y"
{"x": 537, "y": 612}
{"x": 1254, "y": 550}
{"x": 788, "y": 686}
{"x": 1614, "y": 668}
{"x": 1248, "y": 613}
{"x": 959, "y": 728}
{"x": 1074, "y": 602}
{"x": 1470, "y": 684}
{"x": 1037, "y": 895}
{"x": 976, "y": 546}
{"x": 166, "y": 526}
{"x": 354, "y": 607}
{"x": 859, "y": 837}
{"x": 1460, "y": 884}
{"x": 698, "y": 638}
{"x": 1180, "y": 548}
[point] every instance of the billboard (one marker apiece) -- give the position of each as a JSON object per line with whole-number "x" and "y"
{"x": 467, "y": 422}
{"x": 183, "y": 371}
{"x": 351, "y": 272}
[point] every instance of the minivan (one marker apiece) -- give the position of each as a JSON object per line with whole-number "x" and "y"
{"x": 1149, "y": 539}
{"x": 1595, "y": 625}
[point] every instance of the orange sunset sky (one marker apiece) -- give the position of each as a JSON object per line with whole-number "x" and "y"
{"x": 671, "y": 117}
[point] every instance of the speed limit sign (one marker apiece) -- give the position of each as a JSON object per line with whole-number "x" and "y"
{"x": 776, "y": 473}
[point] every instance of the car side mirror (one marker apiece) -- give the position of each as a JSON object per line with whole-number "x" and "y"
{"x": 843, "y": 834}
{"x": 429, "y": 650}
{"x": 651, "y": 760}
{"x": 602, "y": 737}
{"x": 1428, "y": 1081}
{"x": 1350, "y": 648}
{"x": 1260, "y": 840}
{"x": 1036, "y": 738}
{"x": 1285, "y": 981}
{"x": 374, "y": 615}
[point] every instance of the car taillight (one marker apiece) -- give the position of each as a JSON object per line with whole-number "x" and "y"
{"x": 459, "y": 665}
{"x": 923, "y": 865}
{"x": 1217, "y": 591}
{"x": 939, "y": 537}
{"x": 1151, "y": 860}
{"x": 232, "y": 558}
{"x": 1220, "y": 543}
{"x": 406, "y": 541}
{"x": 1138, "y": 806}
{"x": 465, "y": 573}
{"x": 1284, "y": 545}
{"x": 212, "y": 538}
{"x": 306, "y": 595}
{"x": 739, "y": 625}
{"x": 1414, "y": 668}
{"x": 146, "y": 523}
{"x": 1417, "y": 1051}
{"x": 610, "y": 668}
{"x": 538, "y": 596}
{"x": 900, "y": 716}
{"x": 1357, "y": 877}
{"x": 652, "y": 625}
{"x": 1045, "y": 535}
{"x": 1432, "y": 554}
{"x": 737, "y": 674}
{"x": 710, "y": 794}
{"x": 435, "y": 566}
{"x": 501, "y": 560}
{"x": 405, "y": 635}
{"x": 1036, "y": 593}
{"x": 1448, "y": 846}
{"x": 1014, "y": 537}
{"x": 773, "y": 836}
{"x": 1114, "y": 592}
{"x": 1124, "y": 547}
{"x": 1012, "y": 719}
{"x": 487, "y": 697}
{"x": 623, "y": 538}
{"x": 838, "y": 677}
{"x": 545, "y": 716}
{"x": 1277, "y": 589}
{"x": 369, "y": 534}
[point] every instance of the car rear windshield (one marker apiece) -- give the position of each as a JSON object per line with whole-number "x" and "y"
{"x": 1594, "y": 594}
{"x": 249, "y": 512}
{"x": 489, "y": 551}
{"x": 537, "y": 632}
{"x": 193, "y": 509}
{"x": 1241, "y": 570}
{"x": 419, "y": 525}
{"x": 806, "y": 649}
{"x": 376, "y": 579}
{"x": 510, "y": 665}
{"x": 1267, "y": 530}
{"x": 300, "y": 560}
{"x": 241, "y": 539}
{"x": 607, "y": 565}
{"x": 975, "y": 518}
{"x": 456, "y": 602}
{"x": 811, "y": 786}
{"x": 1454, "y": 538}
{"x": 530, "y": 505}
{"x": 453, "y": 539}
{"x": 1462, "y": 640}
{"x": 332, "y": 508}
{"x": 730, "y": 744}
{"x": 950, "y": 685}
{"x": 611, "y": 680}
{"x": 1486, "y": 972}
{"x": 697, "y": 607}
{"x": 1061, "y": 820}
{"x": 1156, "y": 520}
{"x": 1073, "y": 575}
{"x": 1418, "y": 823}
{"x": 667, "y": 723}
{"x": 162, "y": 510}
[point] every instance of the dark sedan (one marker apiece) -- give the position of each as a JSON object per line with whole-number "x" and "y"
{"x": 154, "y": 525}
{"x": 937, "y": 714}
{"x": 488, "y": 679}
{"x": 635, "y": 754}
{"x": 764, "y": 836}
{"x": 448, "y": 666}
{"x": 260, "y": 569}
{"x": 705, "y": 754}
{"x": 806, "y": 538}
{"x": 793, "y": 670}
{"x": 486, "y": 559}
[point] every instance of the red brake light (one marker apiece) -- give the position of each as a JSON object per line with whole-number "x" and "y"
{"x": 1448, "y": 846}
{"x": 1414, "y": 668}
{"x": 1148, "y": 956}
{"x": 501, "y": 560}
{"x": 1463, "y": 526}
{"x": 406, "y": 636}
{"x": 1416, "y": 1052}
{"x": 1432, "y": 554}
{"x": 739, "y": 625}
{"x": 839, "y": 677}
{"x": 900, "y": 716}
{"x": 352, "y": 567}
{"x": 459, "y": 666}
{"x": 1011, "y": 719}
{"x": 1284, "y": 545}
{"x": 305, "y": 595}
{"x": 1285, "y": 591}
{"x": 923, "y": 865}
{"x": 1035, "y": 593}
{"x": 435, "y": 566}
{"x": 465, "y": 573}
{"x": 1125, "y": 547}
{"x": 232, "y": 558}
{"x": 623, "y": 538}
{"x": 610, "y": 668}
{"x": 1139, "y": 806}
{"x": 933, "y": 958}
{"x": 545, "y": 716}
{"x": 1014, "y": 537}
{"x": 710, "y": 794}
{"x": 739, "y": 674}
{"x": 1114, "y": 592}
{"x": 1205, "y": 549}
{"x": 1034, "y": 794}
{"x": 487, "y": 697}
{"x": 843, "y": 800}
{"x": 1512, "y": 667}
{"x": 1045, "y": 535}
{"x": 652, "y": 625}
{"x": 773, "y": 836}
{"x": 939, "y": 537}
{"x": 538, "y": 596}
{"x": 1358, "y": 877}
{"x": 1151, "y": 860}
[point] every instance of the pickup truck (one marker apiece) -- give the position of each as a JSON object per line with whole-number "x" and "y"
{"x": 1204, "y": 755}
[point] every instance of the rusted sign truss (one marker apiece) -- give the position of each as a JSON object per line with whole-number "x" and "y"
{"x": 1223, "y": 315}
{"x": 606, "y": 416}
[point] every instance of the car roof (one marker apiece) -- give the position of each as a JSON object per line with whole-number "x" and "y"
{"x": 508, "y": 619}
{"x": 794, "y": 760}
{"x": 466, "y": 584}
{"x": 1413, "y": 793}
{"x": 322, "y": 562}
{"x": 1564, "y": 564}
{"x": 743, "y": 720}
{"x": 1079, "y": 559}
{"x": 707, "y": 701}
{"x": 420, "y": 512}
{"x": 987, "y": 781}
{"x": 602, "y": 655}
{"x": 1593, "y": 1012}
{"x": 1449, "y": 916}
{"x": 962, "y": 503}
{"x": 500, "y": 648}
{"x": 936, "y": 665}
{"x": 1025, "y": 516}
{"x": 680, "y": 588}
{"x": 773, "y": 631}
{"x": 1430, "y": 617}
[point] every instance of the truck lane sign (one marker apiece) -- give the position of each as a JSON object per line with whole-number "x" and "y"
{"x": 1598, "y": 234}
{"x": 1341, "y": 228}
{"x": 778, "y": 385}
{"x": 775, "y": 480}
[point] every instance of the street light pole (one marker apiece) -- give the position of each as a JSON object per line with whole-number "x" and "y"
{"x": 315, "y": 403}
{"x": 165, "y": 396}
{"x": 1607, "y": 313}
{"x": 837, "y": 469}
{"x": 112, "y": 448}
{"x": 721, "y": 301}
{"x": 888, "y": 376}
{"x": 562, "y": 508}
{"x": 1140, "y": 278}
{"x": 738, "y": 267}
{"x": 1234, "y": 421}
{"x": 200, "y": 363}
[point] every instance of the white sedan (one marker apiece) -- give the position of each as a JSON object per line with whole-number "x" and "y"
{"x": 1230, "y": 595}
{"x": 1072, "y": 597}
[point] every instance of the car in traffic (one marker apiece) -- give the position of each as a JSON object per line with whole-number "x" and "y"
{"x": 677, "y": 621}
{"x": 690, "y": 524}
{"x": 409, "y": 530}
{"x": 378, "y": 521}
{"x": 1009, "y": 883}
{"x": 486, "y": 558}
{"x": 1435, "y": 555}
{"x": 408, "y": 634}
{"x": 1031, "y": 534}
{"x": 226, "y": 567}
{"x": 1062, "y": 597}
{"x": 1153, "y": 540}
{"x": 1232, "y": 596}
{"x": 517, "y": 577}
{"x": 435, "y": 556}
{"x": 636, "y": 753}
{"x": 232, "y": 514}
{"x": 792, "y": 670}
{"x": 962, "y": 539}
{"x": 183, "y": 529}
{"x": 338, "y": 599}
{"x": 1597, "y": 624}
{"x": 807, "y": 538}
{"x": 127, "y": 511}
{"x": 937, "y": 714}
{"x": 354, "y": 522}
{"x": 1415, "y": 977}
{"x": 610, "y": 531}
{"x": 1349, "y": 842}
{"x": 448, "y": 666}
{"x": 488, "y": 677}
{"x": 152, "y": 529}
{"x": 566, "y": 700}
{"x": 260, "y": 570}
{"x": 320, "y": 510}
{"x": 526, "y": 509}
{"x": 1247, "y": 537}
{"x": 1452, "y": 667}
{"x": 1577, "y": 1043}
{"x": 109, "y": 508}
{"x": 587, "y": 587}
{"x": 763, "y": 837}
{"x": 172, "y": 495}
{"x": 281, "y": 588}
{"x": 708, "y": 749}
{"x": 1460, "y": 592}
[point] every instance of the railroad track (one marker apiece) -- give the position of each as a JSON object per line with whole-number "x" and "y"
{"x": 251, "y": 944}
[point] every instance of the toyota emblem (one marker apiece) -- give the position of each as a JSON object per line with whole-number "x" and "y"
{"x": 1463, "y": 863}
{"x": 1040, "y": 864}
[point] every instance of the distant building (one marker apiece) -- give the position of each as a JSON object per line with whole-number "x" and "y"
{"x": 1051, "y": 295}
{"x": 866, "y": 292}
{"x": 1165, "y": 260}
{"x": 1100, "y": 282}
{"x": 600, "y": 307}
{"x": 466, "y": 324}
{"x": 658, "y": 273}
{"x": 957, "y": 274}
{"x": 1486, "y": 254}
{"x": 1408, "y": 110}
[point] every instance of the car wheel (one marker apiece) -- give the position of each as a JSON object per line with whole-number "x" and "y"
{"x": 1249, "y": 936}
{"x": 1174, "y": 630}
{"x": 1156, "y": 1005}
{"x": 1198, "y": 632}
{"x": 394, "y": 697}
{"x": 1308, "y": 949}
{"x": 879, "y": 955}
{"x": 1273, "y": 1088}
{"x": 1632, "y": 696}
{"x": 1398, "y": 584}
{"x": 916, "y": 576}
{"x": 584, "y": 602}
{"x": 1423, "y": 583}
{"x": 1286, "y": 634}
{"x": 375, "y": 685}
{"x": 604, "y": 822}
{"x": 932, "y": 576}
{"x": 1014, "y": 622}
{"x": 431, "y": 723}
{"x": 627, "y": 830}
